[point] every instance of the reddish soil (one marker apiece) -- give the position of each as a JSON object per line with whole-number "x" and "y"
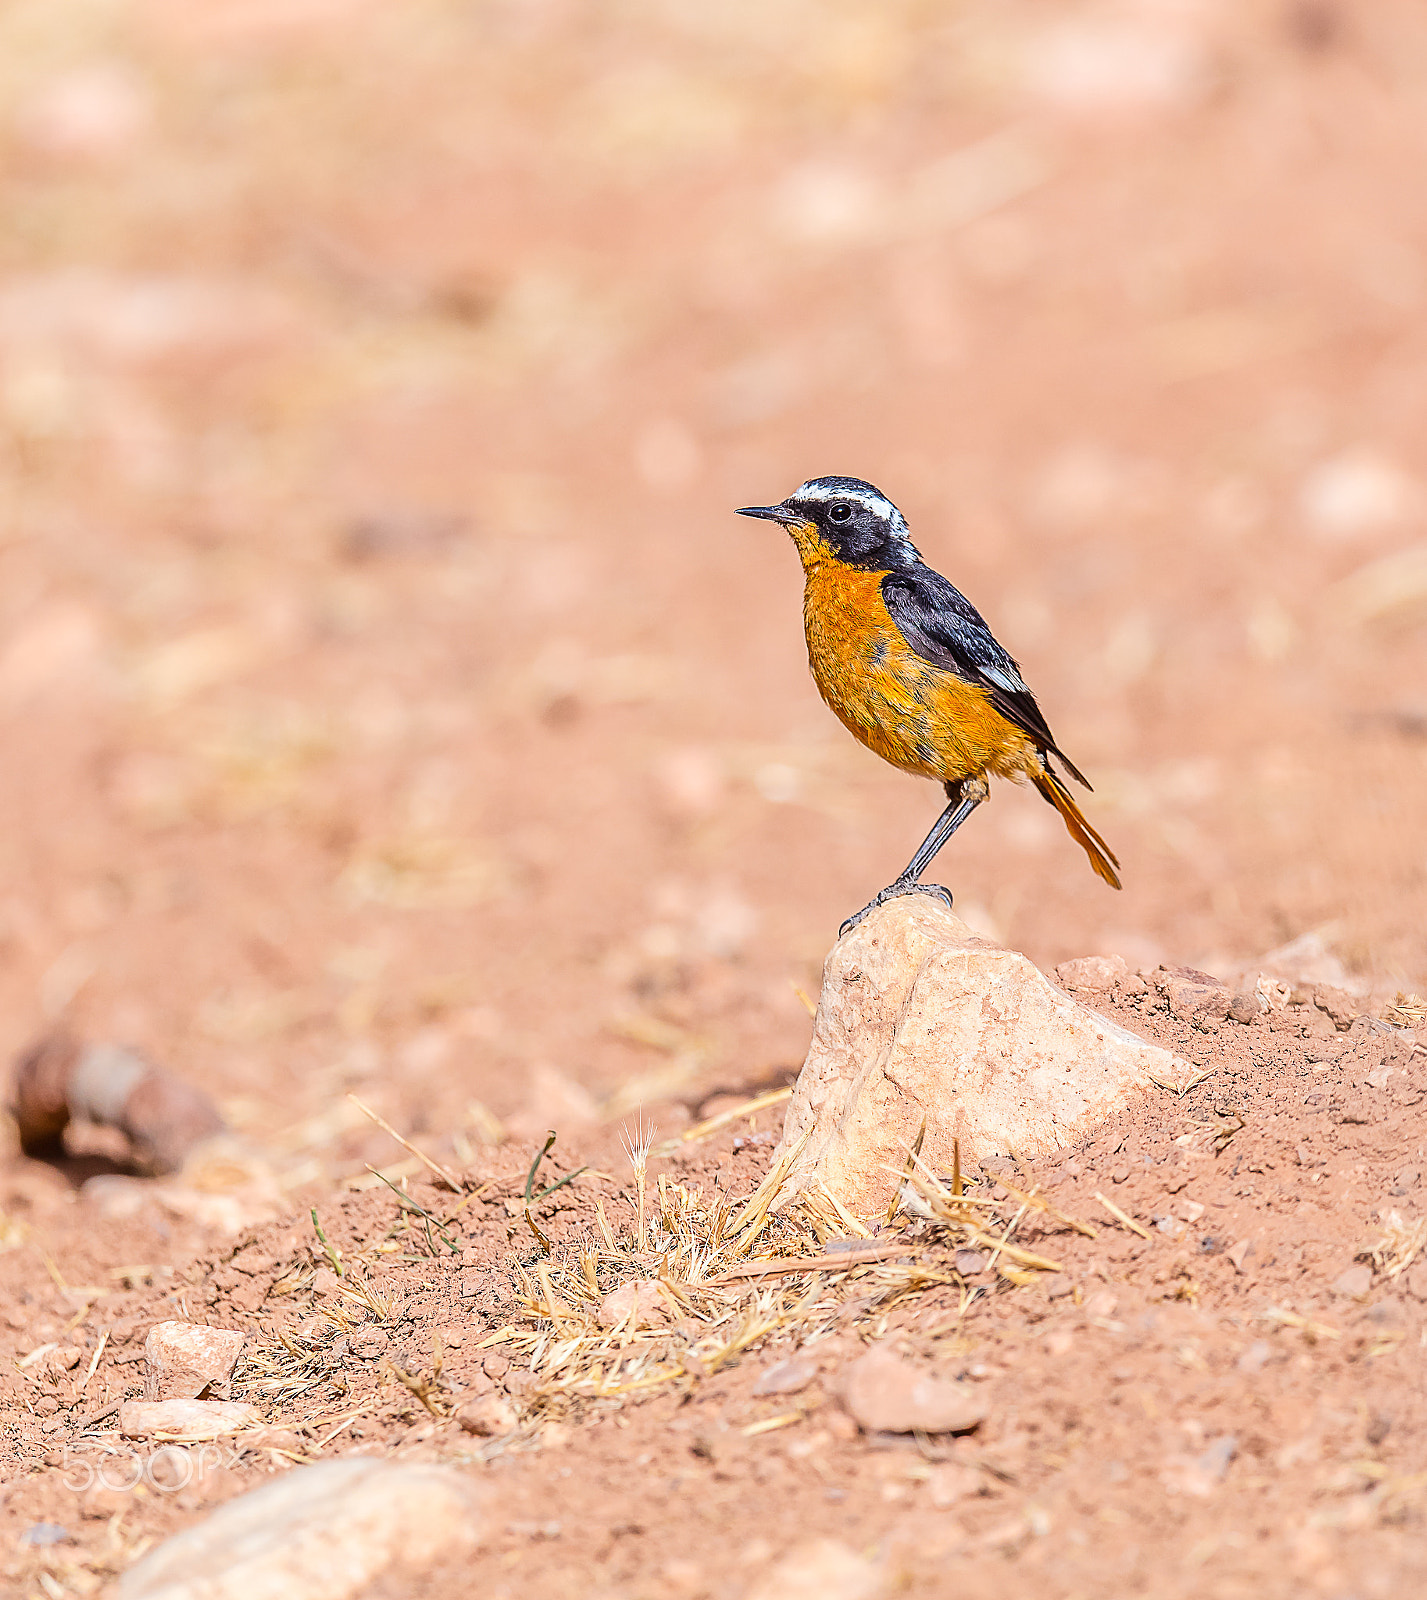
{"x": 1216, "y": 1392}
{"x": 391, "y": 703}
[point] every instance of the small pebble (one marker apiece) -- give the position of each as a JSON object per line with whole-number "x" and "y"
{"x": 786, "y": 1377}
{"x": 1239, "y": 1252}
{"x": 885, "y": 1394}
{"x": 1355, "y": 1283}
{"x": 487, "y": 1416}
{"x": 40, "y": 1535}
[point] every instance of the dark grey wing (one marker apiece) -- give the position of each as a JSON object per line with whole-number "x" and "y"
{"x": 943, "y": 627}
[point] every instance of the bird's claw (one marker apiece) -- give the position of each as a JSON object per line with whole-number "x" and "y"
{"x": 936, "y": 890}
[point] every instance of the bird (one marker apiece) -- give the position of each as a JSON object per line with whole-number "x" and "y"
{"x": 910, "y": 668}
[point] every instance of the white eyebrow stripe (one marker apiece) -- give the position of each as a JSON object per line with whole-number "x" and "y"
{"x": 814, "y": 491}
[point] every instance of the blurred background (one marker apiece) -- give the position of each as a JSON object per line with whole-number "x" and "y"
{"x": 390, "y": 699}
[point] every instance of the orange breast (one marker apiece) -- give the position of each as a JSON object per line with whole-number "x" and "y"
{"x": 911, "y": 713}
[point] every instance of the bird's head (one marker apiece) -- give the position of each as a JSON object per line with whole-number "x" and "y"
{"x": 842, "y": 519}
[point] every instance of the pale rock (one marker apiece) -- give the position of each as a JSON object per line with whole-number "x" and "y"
{"x": 1354, "y": 1284}
{"x": 885, "y": 1394}
{"x": 185, "y": 1419}
{"x": 951, "y": 1482}
{"x": 323, "y": 1532}
{"x": 487, "y": 1416}
{"x": 637, "y": 1304}
{"x": 820, "y": 1569}
{"x": 1097, "y": 974}
{"x": 185, "y": 1358}
{"x": 786, "y": 1377}
{"x": 1193, "y": 996}
{"x": 919, "y": 1018}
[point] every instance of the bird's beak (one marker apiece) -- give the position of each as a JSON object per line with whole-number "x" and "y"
{"x": 789, "y": 519}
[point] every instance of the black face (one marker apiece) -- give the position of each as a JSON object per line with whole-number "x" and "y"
{"x": 855, "y": 520}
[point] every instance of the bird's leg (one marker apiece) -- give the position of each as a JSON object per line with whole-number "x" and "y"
{"x": 963, "y": 797}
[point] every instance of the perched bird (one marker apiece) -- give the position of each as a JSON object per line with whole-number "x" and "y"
{"x": 911, "y": 669}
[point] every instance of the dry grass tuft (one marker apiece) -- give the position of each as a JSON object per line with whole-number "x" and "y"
{"x": 1398, "y": 1247}
{"x": 731, "y": 1275}
{"x": 1407, "y": 1011}
{"x": 726, "y": 1275}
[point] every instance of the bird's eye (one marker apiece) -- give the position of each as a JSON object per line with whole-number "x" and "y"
{"x": 839, "y": 511}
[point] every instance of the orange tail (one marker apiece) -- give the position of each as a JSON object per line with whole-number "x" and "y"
{"x": 1102, "y": 858}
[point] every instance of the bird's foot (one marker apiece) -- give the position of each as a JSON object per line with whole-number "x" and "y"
{"x": 891, "y": 892}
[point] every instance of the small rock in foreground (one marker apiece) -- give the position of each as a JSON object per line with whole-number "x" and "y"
{"x": 1095, "y": 974}
{"x": 1354, "y": 1284}
{"x": 884, "y": 1394}
{"x": 786, "y": 1377}
{"x": 318, "y": 1533}
{"x": 487, "y": 1415}
{"x": 185, "y": 1419}
{"x": 820, "y": 1569}
{"x": 185, "y": 1358}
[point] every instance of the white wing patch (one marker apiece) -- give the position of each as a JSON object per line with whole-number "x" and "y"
{"x": 1010, "y": 681}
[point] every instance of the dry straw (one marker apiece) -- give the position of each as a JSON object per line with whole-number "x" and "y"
{"x": 723, "y": 1277}
{"x": 716, "y": 1277}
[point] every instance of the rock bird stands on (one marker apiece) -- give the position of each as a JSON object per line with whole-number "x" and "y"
{"x": 912, "y": 670}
